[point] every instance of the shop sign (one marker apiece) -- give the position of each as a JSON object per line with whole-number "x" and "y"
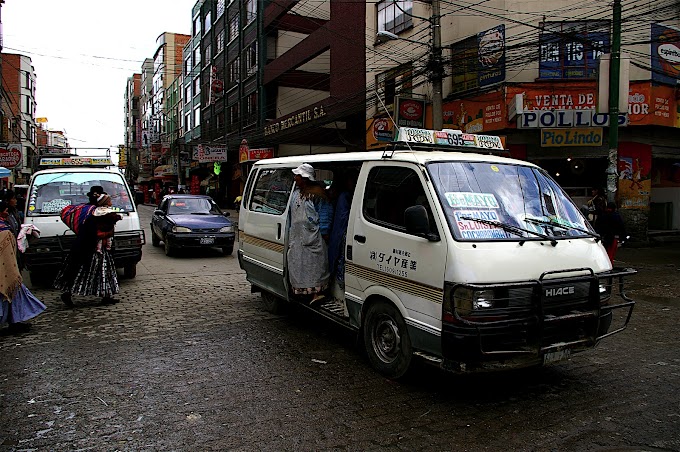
{"x": 410, "y": 112}
{"x": 256, "y": 154}
{"x": 122, "y": 157}
{"x": 571, "y": 49}
{"x": 295, "y": 120}
{"x": 478, "y": 114}
{"x": 652, "y": 105}
{"x": 382, "y": 129}
{"x": 571, "y": 137}
{"x": 206, "y": 154}
{"x": 163, "y": 171}
{"x": 10, "y": 155}
{"x": 565, "y": 118}
{"x": 665, "y": 54}
{"x": 155, "y": 151}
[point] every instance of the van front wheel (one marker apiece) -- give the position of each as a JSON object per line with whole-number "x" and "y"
{"x": 386, "y": 340}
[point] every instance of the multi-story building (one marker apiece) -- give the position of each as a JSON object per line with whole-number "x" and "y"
{"x": 133, "y": 127}
{"x": 18, "y": 107}
{"x": 146, "y": 162}
{"x": 528, "y": 71}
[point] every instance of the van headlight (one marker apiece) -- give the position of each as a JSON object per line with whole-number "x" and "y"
{"x": 467, "y": 301}
{"x": 227, "y": 229}
{"x": 180, "y": 229}
{"x": 605, "y": 289}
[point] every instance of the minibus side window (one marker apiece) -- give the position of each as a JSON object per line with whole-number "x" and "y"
{"x": 272, "y": 190}
{"x": 390, "y": 190}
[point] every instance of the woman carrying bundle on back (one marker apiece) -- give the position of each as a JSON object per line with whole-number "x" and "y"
{"x": 89, "y": 268}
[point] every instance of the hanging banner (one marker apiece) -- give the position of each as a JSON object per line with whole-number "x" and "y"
{"x": 635, "y": 184}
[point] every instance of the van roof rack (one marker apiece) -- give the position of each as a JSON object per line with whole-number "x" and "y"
{"x": 409, "y": 138}
{"x": 52, "y": 157}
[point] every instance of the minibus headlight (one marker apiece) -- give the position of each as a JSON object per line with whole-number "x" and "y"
{"x": 227, "y": 229}
{"x": 180, "y": 229}
{"x": 467, "y": 300}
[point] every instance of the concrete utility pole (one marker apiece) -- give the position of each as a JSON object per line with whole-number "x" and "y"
{"x": 437, "y": 69}
{"x": 614, "y": 74}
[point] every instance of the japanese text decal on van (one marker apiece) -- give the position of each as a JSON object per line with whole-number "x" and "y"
{"x": 473, "y": 200}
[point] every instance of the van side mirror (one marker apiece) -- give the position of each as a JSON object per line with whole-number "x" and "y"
{"x": 418, "y": 223}
{"x": 158, "y": 212}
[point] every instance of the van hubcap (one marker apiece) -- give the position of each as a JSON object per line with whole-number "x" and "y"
{"x": 386, "y": 338}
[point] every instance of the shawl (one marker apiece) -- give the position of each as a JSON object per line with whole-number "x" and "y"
{"x": 10, "y": 278}
{"x": 74, "y": 216}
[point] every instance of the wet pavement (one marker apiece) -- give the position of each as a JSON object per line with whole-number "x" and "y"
{"x": 189, "y": 360}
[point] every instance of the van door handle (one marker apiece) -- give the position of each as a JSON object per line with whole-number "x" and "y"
{"x": 278, "y": 231}
{"x": 360, "y": 238}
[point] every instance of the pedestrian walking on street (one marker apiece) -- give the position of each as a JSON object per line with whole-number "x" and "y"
{"x": 14, "y": 221}
{"x": 89, "y": 268}
{"x": 610, "y": 226}
{"x": 310, "y": 219}
{"x": 17, "y": 303}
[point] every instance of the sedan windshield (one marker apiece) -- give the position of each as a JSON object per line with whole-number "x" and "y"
{"x": 494, "y": 201}
{"x": 193, "y": 206}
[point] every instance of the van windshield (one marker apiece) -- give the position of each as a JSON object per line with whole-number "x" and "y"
{"x": 495, "y": 201}
{"x": 51, "y": 192}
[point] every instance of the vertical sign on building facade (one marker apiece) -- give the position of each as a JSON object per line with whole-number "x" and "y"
{"x": 569, "y": 50}
{"x": 665, "y": 54}
{"x": 479, "y": 61}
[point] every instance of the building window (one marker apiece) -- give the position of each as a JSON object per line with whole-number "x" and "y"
{"x": 187, "y": 66}
{"x": 569, "y": 50}
{"x": 187, "y": 93}
{"x": 251, "y": 10}
{"x": 207, "y": 55}
{"x": 220, "y": 8}
{"x": 394, "y": 16}
{"x": 197, "y": 56}
{"x": 207, "y": 22}
{"x": 197, "y": 116}
{"x": 233, "y": 73}
{"x": 393, "y": 82}
{"x": 28, "y": 80}
{"x": 219, "y": 42}
{"x": 197, "y": 85}
{"x": 251, "y": 108}
{"x": 233, "y": 116}
{"x": 196, "y": 29}
{"x": 187, "y": 121}
{"x": 233, "y": 27}
{"x": 251, "y": 58}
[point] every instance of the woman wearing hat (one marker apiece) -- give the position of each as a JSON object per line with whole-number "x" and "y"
{"x": 89, "y": 267}
{"x": 309, "y": 225}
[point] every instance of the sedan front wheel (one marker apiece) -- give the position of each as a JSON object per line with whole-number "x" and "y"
{"x": 169, "y": 250}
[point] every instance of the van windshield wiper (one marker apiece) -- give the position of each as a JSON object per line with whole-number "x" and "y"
{"x": 563, "y": 226}
{"x": 514, "y": 229}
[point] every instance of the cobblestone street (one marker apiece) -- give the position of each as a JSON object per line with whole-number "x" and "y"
{"x": 189, "y": 360}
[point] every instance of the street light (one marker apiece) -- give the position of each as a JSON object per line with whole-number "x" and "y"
{"x": 434, "y": 64}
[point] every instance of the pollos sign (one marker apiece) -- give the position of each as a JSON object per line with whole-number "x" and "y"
{"x": 548, "y": 119}
{"x": 10, "y": 155}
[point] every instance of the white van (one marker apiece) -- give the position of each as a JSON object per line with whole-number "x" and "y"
{"x": 470, "y": 260}
{"x": 67, "y": 182}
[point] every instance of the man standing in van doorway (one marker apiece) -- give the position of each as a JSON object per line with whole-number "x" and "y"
{"x": 309, "y": 224}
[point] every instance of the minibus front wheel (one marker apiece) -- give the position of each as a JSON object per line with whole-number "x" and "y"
{"x": 386, "y": 340}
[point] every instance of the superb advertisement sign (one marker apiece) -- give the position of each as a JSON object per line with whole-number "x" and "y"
{"x": 479, "y": 61}
{"x": 665, "y": 54}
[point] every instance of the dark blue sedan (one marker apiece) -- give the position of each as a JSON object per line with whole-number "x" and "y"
{"x": 191, "y": 221}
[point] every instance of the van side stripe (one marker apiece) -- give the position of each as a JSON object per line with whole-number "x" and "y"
{"x": 261, "y": 243}
{"x": 431, "y": 293}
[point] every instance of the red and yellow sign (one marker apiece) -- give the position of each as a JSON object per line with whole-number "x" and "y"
{"x": 476, "y": 115}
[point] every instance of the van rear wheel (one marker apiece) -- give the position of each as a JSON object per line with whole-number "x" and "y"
{"x": 386, "y": 340}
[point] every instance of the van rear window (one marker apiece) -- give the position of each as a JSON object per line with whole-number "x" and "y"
{"x": 51, "y": 192}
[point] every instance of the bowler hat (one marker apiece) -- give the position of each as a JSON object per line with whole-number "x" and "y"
{"x": 98, "y": 189}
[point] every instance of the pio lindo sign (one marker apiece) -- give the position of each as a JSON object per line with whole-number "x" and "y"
{"x": 571, "y": 137}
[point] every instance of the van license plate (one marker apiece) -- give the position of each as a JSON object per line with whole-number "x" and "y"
{"x": 207, "y": 240}
{"x": 554, "y": 357}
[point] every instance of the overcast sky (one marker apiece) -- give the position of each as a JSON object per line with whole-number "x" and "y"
{"x": 83, "y": 51}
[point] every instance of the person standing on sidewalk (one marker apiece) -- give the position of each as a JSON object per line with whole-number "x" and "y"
{"x": 89, "y": 268}
{"x": 610, "y": 226}
{"x": 17, "y": 303}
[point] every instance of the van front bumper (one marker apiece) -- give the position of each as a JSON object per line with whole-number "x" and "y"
{"x": 48, "y": 253}
{"x": 537, "y": 322}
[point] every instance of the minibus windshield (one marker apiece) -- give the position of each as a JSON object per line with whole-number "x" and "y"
{"x": 51, "y": 192}
{"x": 496, "y": 201}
